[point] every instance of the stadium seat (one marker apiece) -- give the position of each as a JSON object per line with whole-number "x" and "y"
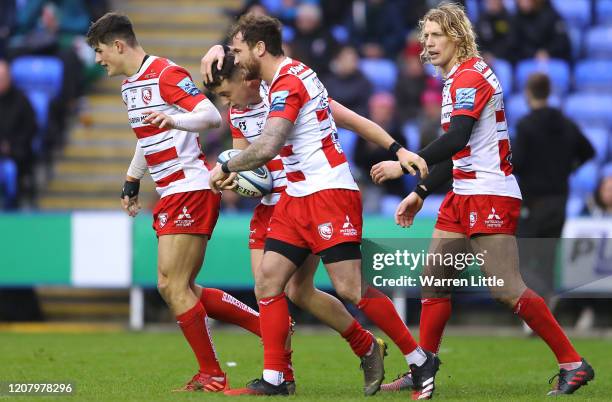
{"x": 38, "y": 73}
{"x": 584, "y": 180}
{"x": 598, "y": 42}
{"x": 412, "y": 136}
{"x": 603, "y": 10}
{"x": 382, "y": 73}
{"x": 503, "y": 71}
{"x": 575, "y": 12}
{"x": 576, "y": 37}
{"x": 348, "y": 140}
{"x": 574, "y": 206}
{"x": 516, "y": 107}
{"x": 593, "y": 75}
{"x": 558, "y": 71}
{"x": 589, "y": 109}
{"x": 598, "y": 136}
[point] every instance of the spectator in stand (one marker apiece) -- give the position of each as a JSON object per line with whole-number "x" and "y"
{"x": 17, "y": 129}
{"x": 8, "y": 15}
{"x": 547, "y": 149}
{"x": 377, "y": 28}
{"x": 429, "y": 120}
{"x": 538, "y": 31}
{"x": 346, "y": 83}
{"x": 313, "y": 44}
{"x": 367, "y": 154}
{"x": 600, "y": 204}
{"x": 493, "y": 30}
{"x": 412, "y": 82}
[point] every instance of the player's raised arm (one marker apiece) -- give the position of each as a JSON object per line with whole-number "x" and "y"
{"x": 215, "y": 54}
{"x": 372, "y": 132}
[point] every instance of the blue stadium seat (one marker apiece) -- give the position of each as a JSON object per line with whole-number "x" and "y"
{"x": 603, "y": 10}
{"x": 574, "y": 206}
{"x": 589, "y": 109}
{"x": 584, "y": 180}
{"x": 412, "y": 136}
{"x": 598, "y": 42}
{"x": 558, "y": 71}
{"x": 348, "y": 140}
{"x": 598, "y": 136}
{"x": 576, "y": 37}
{"x": 574, "y": 12}
{"x": 382, "y": 73}
{"x": 503, "y": 72}
{"x": 593, "y": 75}
{"x": 38, "y": 73}
{"x": 516, "y": 107}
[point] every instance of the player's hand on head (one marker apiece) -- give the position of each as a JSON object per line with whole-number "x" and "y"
{"x": 407, "y": 210}
{"x": 215, "y": 54}
{"x": 412, "y": 162}
{"x": 158, "y": 119}
{"x": 386, "y": 170}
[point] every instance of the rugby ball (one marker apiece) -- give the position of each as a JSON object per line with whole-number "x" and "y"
{"x": 250, "y": 183}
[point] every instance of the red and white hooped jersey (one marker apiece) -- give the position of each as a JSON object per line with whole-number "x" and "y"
{"x": 484, "y": 166}
{"x": 248, "y": 123}
{"x": 174, "y": 157}
{"x": 312, "y": 155}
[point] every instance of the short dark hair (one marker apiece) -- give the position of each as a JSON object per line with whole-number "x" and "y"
{"x": 109, "y": 27}
{"x": 227, "y": 71}
{"x": 260, "y": 28}
{"x": 538, "y": 85}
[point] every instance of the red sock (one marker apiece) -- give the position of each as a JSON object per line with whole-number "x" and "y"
{"x": 435, "y": 313}
{"x": 274, "y": 321}
{"x": 359, "y": 339}
{"x": 534, "y": 311}
{"x": 195, "y": 329}
{"x": 225, "y": 307}
{"x": 288, "y": 371}
{"x": 380, "y": 310}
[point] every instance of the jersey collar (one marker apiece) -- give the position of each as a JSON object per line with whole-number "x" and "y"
{"x": 143, "y": 67}
{"x": 286, "y": 61}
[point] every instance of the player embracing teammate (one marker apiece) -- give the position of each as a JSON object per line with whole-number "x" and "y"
{"x": 320, "y": 210}
{"x": 482, "y": 209}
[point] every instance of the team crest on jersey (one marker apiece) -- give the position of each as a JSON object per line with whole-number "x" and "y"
{"x": 465, "y": 98}
{"x": 163, "y": 219}
{"x": 473, "y": 217}
{"x": 188, "y": 86}
{"x": 278, "y": 100}
{"x": 326, "y": 230}
{"x": 147, "y": 95}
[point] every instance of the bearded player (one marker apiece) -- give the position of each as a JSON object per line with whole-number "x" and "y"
{"x": 166, "y": 111}
{"x": 247, "y": 115}
{"x": 320, "y": 210}
{"x": 482, "y": 209}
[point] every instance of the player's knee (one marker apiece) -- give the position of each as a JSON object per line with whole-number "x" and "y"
{"x": 348, "y": 293}
{"x": 299, "y": 295}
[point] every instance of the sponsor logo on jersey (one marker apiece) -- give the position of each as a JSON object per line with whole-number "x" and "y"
{"x": 147, "y": 95}
{"x": 188, "y": 86}
{"x": 184, "y": 219}
{"x": 493, "y": 220}
{"x": 473, "y": 218}
{"x": 326, "y": 230}
{"x": 347, "y": 228}
{"x": 295, "y": 70}
{"x": 163, "y": 219}
{"x": 278, "y": 100}
{"x": 465, "y": 98}
{"x": 132, "y": 96}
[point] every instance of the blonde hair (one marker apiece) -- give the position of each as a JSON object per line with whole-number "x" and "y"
{"x": 455, "y": 24}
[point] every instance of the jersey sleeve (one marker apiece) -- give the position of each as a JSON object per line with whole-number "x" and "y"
{"x": 177, "y": 88}
{"x": 470, "y": 93}
{"x": 235, "y": 131}
{"x": 287, "y": 97}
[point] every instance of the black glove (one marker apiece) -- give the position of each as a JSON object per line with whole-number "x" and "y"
{"x": 130, "y": 188}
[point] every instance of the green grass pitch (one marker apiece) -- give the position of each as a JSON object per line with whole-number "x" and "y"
{"x": 146, "y": 366}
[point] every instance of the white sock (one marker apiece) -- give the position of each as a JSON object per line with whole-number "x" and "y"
{"x": 273, "y": 377}
{"x": 417, "y": 357}
{"x": 570, "y": 366}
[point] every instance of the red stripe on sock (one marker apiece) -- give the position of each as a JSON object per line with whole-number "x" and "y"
{"x": 380, "y": 310}
{"x": 274, "y": 322}
{"x": 195, "y": 330}
{"x": 534, "y": 311}
{"x": 224, "y": 307}
{"x": 359, "y": 339}
{"x": 435, "y": 313}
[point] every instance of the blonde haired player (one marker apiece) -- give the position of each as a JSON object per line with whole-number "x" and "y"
{"x": 482, "y": 209}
